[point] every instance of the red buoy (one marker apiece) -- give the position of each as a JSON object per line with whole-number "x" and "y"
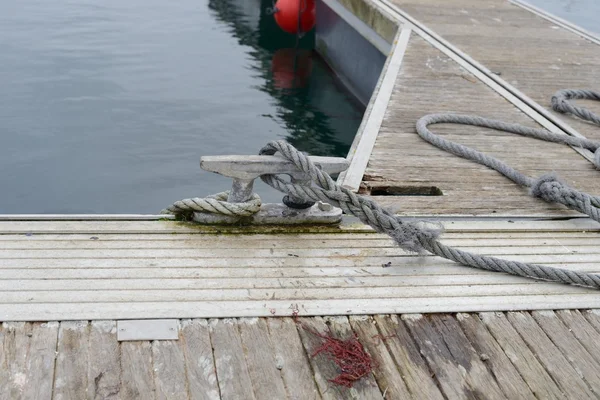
{"x": 287, "y": 12}
{"x": 291, "y": 68}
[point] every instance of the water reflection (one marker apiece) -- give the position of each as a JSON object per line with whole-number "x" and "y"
{"x": 319, "y": 116}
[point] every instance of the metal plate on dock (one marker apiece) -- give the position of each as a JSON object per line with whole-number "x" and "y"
{"x": 148, "y": 329}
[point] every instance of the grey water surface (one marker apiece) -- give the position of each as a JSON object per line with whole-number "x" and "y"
{"x": 106, "y": 106}
{"x": 584, "y": 13}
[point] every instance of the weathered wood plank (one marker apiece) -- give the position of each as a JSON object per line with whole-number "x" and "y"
{"x": 367, "y": 387}
{"x": 584, "y": 363}
{"x": 40, "y": 361}
{"x": 291, "y": 358}
{"x": 4, "y": 366}
{"x": 517, "y": 350}
{"x": 550, "y": 356}
{"x": 158, "y": 227}
{"x": 593, "y": 317}
{"x": 323, "y": 368}
{"x": 71, "y": 376}
{"x": 490, "y": 352}
{"x": 386, "y": 372}
{"x": 267, "y": 308}
{"x": 15, "y": 349}
{"x": 582, "y": 330}
{"x": 169, "y": 370}
{"x": 281, "y": 244}
{"x": 137, "y": 375}
{"x": 408, "y": 359}
{"x": 286, "y": 283}
{"x": 438, "y": 357}
{"x": 199, "y": 362}
{"x": 104, "y": 361}
{"x": 279, "y": 253}
{"x": 232, "y": 371}
{"x": 262, "y": 366}
{"x": 269, "y": 240}
{"x": 298, "y": 294}
{"x": 448, "y": 351}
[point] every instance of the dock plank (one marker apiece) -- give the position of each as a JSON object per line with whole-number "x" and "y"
{"x": 323, "y": 368}
{"x": 137, "y": 374}
{"x": 137, "y": 277}
{"x": 525, "y": 361}
{"x": 550, "y": 356}
{"x": 438, "y": 357}
{"x": 582, "y": 330}
{"x": 291, "y": 357}
{"x": 413, "y": 355}
{"x": 408, "y": 359}
{"x": 169, "y": 370}
{"x": 262, "y": 366}
{"x": 458, "y": 368}
{"x": 507, "y": 376}
{"x": 386, "y": 373}
{"x": 104, "y": 366}
{"x": 40, "y": 361}
{"x": 582, "y": 361}
{"x": 366, "y": 388}
{"x": 593, "y": 317}
{"x": 15, "y": 350}
{"x": 230, "y": 361}
{"x": 71, "y": 376}
{"x": 199, "y": 362}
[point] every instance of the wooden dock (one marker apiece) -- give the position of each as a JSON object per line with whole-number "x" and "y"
{"x": 512, "y": 355}
{"x": 248, "y": 302}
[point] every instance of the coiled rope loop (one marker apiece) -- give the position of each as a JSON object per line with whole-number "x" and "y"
{"x": 216, "y": 204}
{"x": 547, "y": 187}
{"x": 560, "y": 102}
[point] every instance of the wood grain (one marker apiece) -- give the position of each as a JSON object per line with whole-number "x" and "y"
{"x": 490, "y": 352}
{"x": 199, "y": 362}
{"x": 104, "y": 366}
{"x": 232, "y": 370}
{"x": 523, "y": 358}
{"x": 366, "y": 387}
{"x": 169, "y": 370}
{"x": 262, "y": 366}
{"x": 388, "y": 376}
{"x": 71, "y": 376}
{"x": 15, "y": 349}
{"x": 458, "y": 369}
{"x": 582, "y": 330}
{"x": 137, "y": 375}
{"x": 291, "y": 357}
{"x": 550, "y": 356}
{"x": 407, "y": 357}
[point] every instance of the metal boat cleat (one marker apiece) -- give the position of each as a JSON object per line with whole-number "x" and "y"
{"x": 245, "y": 169}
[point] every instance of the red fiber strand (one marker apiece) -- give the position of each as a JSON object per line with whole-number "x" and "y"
{"x": 349, "y": 355}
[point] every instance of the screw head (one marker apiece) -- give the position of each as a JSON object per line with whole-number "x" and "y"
{"x": 325, "y": 206}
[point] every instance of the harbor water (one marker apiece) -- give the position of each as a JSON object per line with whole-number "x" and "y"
{"x": 107, "y": 106}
